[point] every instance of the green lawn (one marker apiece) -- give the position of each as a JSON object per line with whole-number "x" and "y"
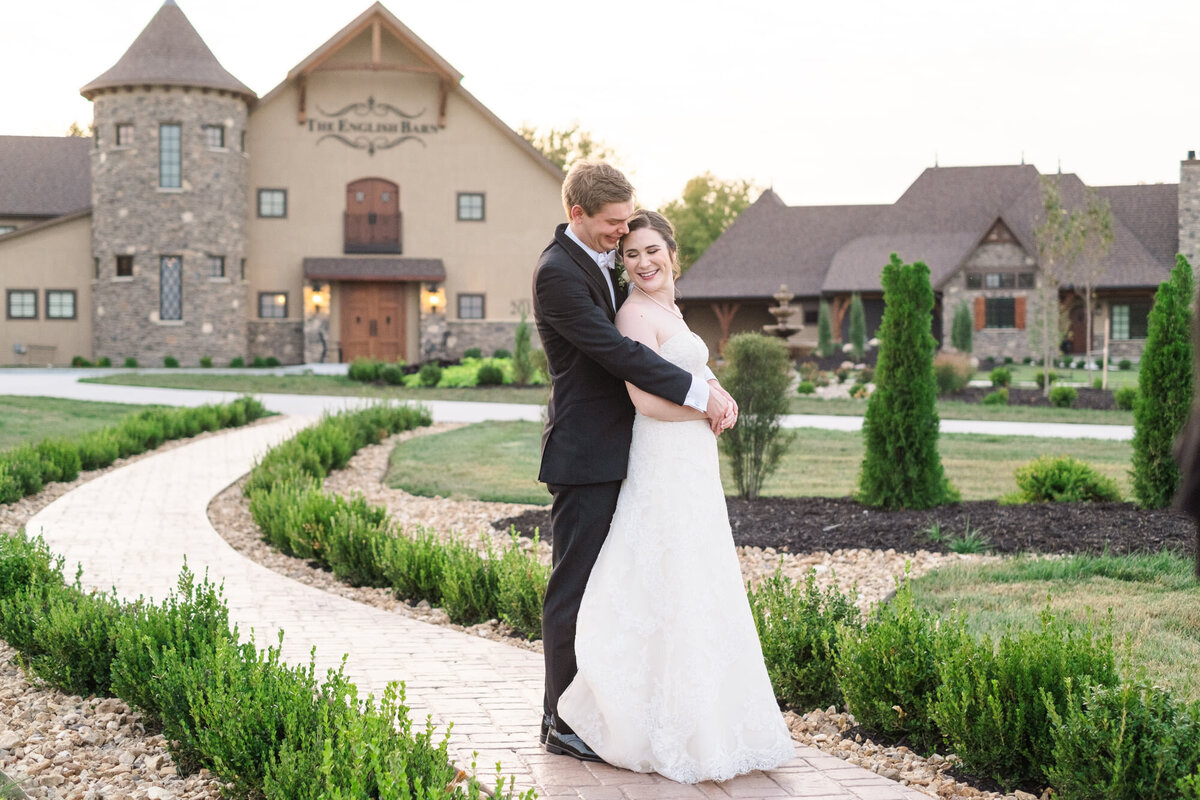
{"x": 951, "y": 409}
{"x": 1154, "y": 602}
{"x": 1027, "y": 374}
{"x": 31, "y": 419}
{"x": 499, "y": 461}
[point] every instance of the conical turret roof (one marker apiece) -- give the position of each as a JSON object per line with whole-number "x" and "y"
{"x": 168, "y": 52}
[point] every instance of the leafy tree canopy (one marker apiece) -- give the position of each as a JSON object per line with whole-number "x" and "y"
{"x": 707, "y": 207}
{"x": 565, "y": 146}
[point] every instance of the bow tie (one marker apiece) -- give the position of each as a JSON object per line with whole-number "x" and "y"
{"x": 607, "y": 260}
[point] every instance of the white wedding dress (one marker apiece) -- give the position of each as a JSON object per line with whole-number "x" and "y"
{"x": 671, "y": 676}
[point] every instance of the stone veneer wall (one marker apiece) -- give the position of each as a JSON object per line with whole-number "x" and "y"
{"x": 449, "y": 339}
{"x": 1189, "y": 211}
{"x": 995, "y": 342}
{"x": 131, "y": 215}
{"x": 283, "y": 339}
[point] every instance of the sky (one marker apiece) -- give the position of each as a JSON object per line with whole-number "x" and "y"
{"x": 842, "y": 102}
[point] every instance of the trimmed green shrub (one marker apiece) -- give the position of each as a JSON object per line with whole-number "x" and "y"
{"x": 952, "y": 371}
{"x": 489, "y": 375}
{"x": 520, "y": 588}
{"x": 11, "y": 487}
{"x": 888, "y": 669}
{"x": 98, "y": 449}
{"x": 26, "y": 563}
{"x": 996, "y": 398}
{"x": 806, "y": 387}
{"x": 798, "y": 629}
{"x": 469, "y": 585}
{"x": 472, "y": 352}
{"x": 60, "y": 460}
{"x": 104, "y": 361}
{"x": 206, "y": 361}
{"x": 272, "y": 361}
{"x": 858, "y": 327}
{"x": 1097, "y": 383}
{"x": 1063, "y": 479}
{"x": 500, "y": 352}
{"x": 80, "y": 361}
{"x": 1001, "y": 376}
{"x": 170, "y": 361}
{"x": 901, "y": 467}
{"x": 258, "y": 362}
{"x": 364, "y": 369}
{"x": 1040, "y": 378}
{"x": 962, "y": 329}
{"x": 354, "y": 541}
{"x": 808, "y": 370}
{"x": 1063, "y": 396}
{"x": 994, "y": 700}
{"x": 522, "y": 360}
{"x": 415, "y": 566}
{"x": 1115, "y": 742}
{"x": 131, "y": 362}
{"x": 392, "y": 374}
{"x": 1165, "y": 389}
{"x": 236, "y": 362}
{"x": 75, "y": 642}
{"x": 24, "y": 466}
{"x": 429, "y": 375}
{"x": 1125, "y": 397}
{"x": 757, "y": 373}
{"x": 1124, "y": 365}
{"x": 825, "y": 346}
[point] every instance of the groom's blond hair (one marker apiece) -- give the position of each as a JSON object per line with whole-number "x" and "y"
{"x": 592, "y": 185}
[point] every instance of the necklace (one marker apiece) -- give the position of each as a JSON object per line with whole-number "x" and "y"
{"x": 671, "y": 309}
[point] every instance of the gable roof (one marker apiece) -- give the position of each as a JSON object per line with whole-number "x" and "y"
{"x": 44, "y": 176}
{"x": 1151, "y": 213}
{"x": 771, "y": 244}
{"x": 168, "y": 52}
{"x": 450, "y": 78}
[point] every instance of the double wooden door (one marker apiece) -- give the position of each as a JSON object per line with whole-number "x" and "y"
{"x": 373, "y": 321}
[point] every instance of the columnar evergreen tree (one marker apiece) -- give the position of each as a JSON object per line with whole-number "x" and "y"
{"x": 962, "y": 328}
{"x": 824, "y": 331}
{"x": 901, "y": 467}
{"x": 1164, "y": 389}
{"x": 858, "y": 327}
{"x": 522, "y": 353}
{"x": 757, "y": 374}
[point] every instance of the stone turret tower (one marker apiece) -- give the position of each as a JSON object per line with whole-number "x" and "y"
{"x": 169, "y": 200}
{"x": 1189, "y": 210}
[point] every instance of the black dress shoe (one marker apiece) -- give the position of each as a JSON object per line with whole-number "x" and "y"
{"x": 568, "y": 744}
{"x": 545, "y": 728}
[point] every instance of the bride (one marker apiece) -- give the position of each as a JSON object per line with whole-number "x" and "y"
{"x": 671, "y": 676}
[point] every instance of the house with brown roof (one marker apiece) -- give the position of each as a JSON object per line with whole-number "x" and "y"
{"x": 368, "y": 205}
{"x": 974, "y": 228}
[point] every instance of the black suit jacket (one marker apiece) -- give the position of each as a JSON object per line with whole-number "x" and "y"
{"x": 590, "y": 414}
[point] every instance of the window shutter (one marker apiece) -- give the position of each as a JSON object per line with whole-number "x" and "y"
{"x": 1019, "y": 313}
{"x": 980, "y": 314}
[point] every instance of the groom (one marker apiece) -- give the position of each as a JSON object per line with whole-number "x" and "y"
{"x": 585, "y": 447}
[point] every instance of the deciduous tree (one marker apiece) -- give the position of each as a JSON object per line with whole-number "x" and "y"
{"x": 706, "y": 208}
{"x": 565, "y": 146}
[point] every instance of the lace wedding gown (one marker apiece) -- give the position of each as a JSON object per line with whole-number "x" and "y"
{"x": 671, "y": 675}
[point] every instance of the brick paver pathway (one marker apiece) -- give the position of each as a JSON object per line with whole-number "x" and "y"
{"x": 132, "y": 528}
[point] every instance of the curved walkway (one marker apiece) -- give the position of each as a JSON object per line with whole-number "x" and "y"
{"x": 132, "y": 528}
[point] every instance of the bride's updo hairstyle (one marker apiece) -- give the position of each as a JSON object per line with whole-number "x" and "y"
{"x": 643, "y": 218}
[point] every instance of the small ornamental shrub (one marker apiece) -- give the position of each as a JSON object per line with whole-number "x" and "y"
{"x": 995, "y": 699}
{"x": 808, "y": 370}
{"x": 522, "y": 359}
{"x": 104, "y": 361}
{"x": 500, "y": 352}
{"x": 98, "y": 449}
{"x": 489, "y": 375}
{"x": 75, "y": 642}
{"x": 842, "y": 373}
{"x": 953, "y": 372}
{"x": 11, "y": 487}
{"x": 962, "y": 328}
{"x": 272, "y": 361}
{"x": 1130, "y": 740}
{"x": 206, "y": 361}
{"x": 392, "y": 374}
{"x": 1125, "y": 365}
{"x": 825, "y": 346}
{"x": 1001, "y": 376}
{"x": 170, "y": 361}
{"x": 1063, "y": 396}
{"x": 757, "y": 374}
{"x": 867, "y": 375}
{"x": 858, "y": 327}
{"x": 130, "y": 362}
{"x": 258, "y": 362}
{"x": 473, "y": 352}
{"x": 237, "y": 362}
{"x": 1063, "y": 479}
{"x": 901, "y": 467}
{"x": 469, "y": 585}
{"x": 1097, "y": 383}
{"x": 353, "y": 541}
{"x": 26, "y": 563}
{"x": 887, "y": 670}
{"x": 415, "y": 566}
{"x": 430, "y": 375}
{"x": 996, "y": 398}
{"x": 806, "y": 387}
{"x": 1040, "y": 378}
{"x": 1008, "y": 359}
{"x": 798, "y": 629}
{"x": 364, "y": 369}
{"x": 1165, "y": 389}
{"x": 1125, "y": 397}
{"x": 80, "y": 361}
{"x": 24, "y": 465}
{"x": 60, "y": 460}
{"x": 521, "y": 587}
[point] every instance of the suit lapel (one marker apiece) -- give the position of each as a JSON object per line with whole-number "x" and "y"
{"x": 591, "y": 272}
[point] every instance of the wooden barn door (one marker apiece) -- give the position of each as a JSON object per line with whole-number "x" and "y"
{"x": 372, "y": 321}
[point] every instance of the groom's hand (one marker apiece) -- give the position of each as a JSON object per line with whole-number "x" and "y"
{"x": 722, "y": 408}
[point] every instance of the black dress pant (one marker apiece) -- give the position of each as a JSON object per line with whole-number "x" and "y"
{"x": 579, "y": 522}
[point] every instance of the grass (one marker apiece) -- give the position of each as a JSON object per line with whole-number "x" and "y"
{"x": 10, "y": 789}
{"x": 1154, "y": 602}
{"x": 953, "y": 409}
{"x": 499, "y": 461}
{"x": 1027, "y": 374}
{"x": 31, "y": 419}
{"x": 337, "y": 385}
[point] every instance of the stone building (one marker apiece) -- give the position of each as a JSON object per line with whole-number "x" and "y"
{"x": 366, "y": 206}
{"x": 974, "y": 228}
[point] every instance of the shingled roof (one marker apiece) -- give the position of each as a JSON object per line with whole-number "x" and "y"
{"x": 44, "y": 176}
{"x": 168, "y": 52}
{"x": 771, "y": 244}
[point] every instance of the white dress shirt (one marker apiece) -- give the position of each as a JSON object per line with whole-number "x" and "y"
{"x": 697, "y": 396}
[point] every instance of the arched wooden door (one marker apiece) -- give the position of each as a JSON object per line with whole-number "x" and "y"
{"x": 372, "y": 222}
{"x": 372, "y": 321}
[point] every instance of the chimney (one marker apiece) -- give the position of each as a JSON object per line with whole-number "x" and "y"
{"x": 1191, "y": 155}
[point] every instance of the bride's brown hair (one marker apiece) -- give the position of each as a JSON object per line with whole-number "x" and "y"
{"x": 643, "y": 218}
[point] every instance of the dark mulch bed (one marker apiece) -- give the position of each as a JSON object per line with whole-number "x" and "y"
{"x": 819, "y": 524}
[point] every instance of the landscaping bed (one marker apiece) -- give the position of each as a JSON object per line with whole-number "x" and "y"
{"x": 1086, "y": 397}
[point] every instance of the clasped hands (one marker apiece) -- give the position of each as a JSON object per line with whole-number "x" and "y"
{"x": 722, "y": 409}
